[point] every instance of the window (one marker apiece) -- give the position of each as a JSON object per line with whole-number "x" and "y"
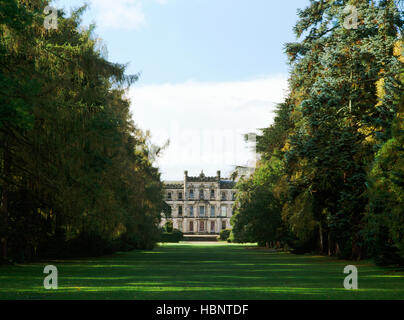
{"x": 191, "y": 194}
{"x": 224, "y": 211}
{"x": 223, "y": 196}
{"x": 212, "y": 211}
{"x": 180, "y": 210}
{"x": 202, "y": 226}
{"x": 180, "y": 196}
{"x": 169, "y": 196}
{"x": 212, "y": 226}
{"x": 234, "y": 196}
{"x": 212, "y": 194}
{"x": 201, "y": 195}
{"x": 191, "y": 226}
{"x": 191, "y": 211}
{"x": 223, "y": 225}
{"x": 202, "y": 211}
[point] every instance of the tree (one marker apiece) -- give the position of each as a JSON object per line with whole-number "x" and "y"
{"x": 76, "y": 174}
{"x": 339, "y": 113}
{"x": 336, "y": 135}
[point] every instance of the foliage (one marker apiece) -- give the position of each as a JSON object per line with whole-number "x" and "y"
{"x": 174, "y": 236}
{"x": 338, "y": 138}
{"x": 385, "y": 214}
{"x": 168, "y": 226}
{"x": 74, "y": 168}
{"x": 224, "y": 234}
{"x": 257, "y": 216}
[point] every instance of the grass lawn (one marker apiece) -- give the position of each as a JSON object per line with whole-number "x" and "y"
{"x": 201, "y": 271}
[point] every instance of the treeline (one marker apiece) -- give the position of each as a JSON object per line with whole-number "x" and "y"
{"x": 76, "y": 175}
{"x": 331, "y": 174}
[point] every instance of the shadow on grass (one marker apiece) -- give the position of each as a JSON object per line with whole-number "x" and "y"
{"x": 189, "y": 271}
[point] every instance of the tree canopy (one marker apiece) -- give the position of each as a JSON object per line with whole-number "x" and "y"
{"x": 76, "y": 174}
{"x": 338, "y": 135}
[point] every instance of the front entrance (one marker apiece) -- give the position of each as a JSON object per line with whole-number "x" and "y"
{"x": 212, "y": 227}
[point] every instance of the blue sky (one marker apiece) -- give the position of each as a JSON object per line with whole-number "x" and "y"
{"x": 210, "y": 70}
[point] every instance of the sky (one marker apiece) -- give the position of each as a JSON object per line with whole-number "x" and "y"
{"x": 210, "y": 71}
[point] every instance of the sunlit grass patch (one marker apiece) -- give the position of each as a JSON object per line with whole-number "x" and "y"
{"x": 212, "y": 271}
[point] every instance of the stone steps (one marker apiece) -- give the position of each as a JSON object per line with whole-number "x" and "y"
{"x": 209, "y": 238}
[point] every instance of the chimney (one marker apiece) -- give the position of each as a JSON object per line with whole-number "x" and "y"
{"x": 185, "y": 175}
{"x": 218, "y": 175}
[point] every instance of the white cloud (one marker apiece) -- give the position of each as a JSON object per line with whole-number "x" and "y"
{"x": 119, "y": 14}
{"x": 205, "y": 122}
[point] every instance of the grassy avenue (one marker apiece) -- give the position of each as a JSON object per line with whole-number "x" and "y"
{"x": 201, "y": 271}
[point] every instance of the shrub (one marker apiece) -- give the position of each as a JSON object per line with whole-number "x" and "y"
{"x": 174, "y": 236}
{"x": 225, "y": 234}
{"x": 169, "y": 226}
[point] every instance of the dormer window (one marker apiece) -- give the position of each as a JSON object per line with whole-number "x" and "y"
{"x": 201, "y": 195}
{"x": 180, "y": 196}
{"x": 191, "y": 194}
{"x": 234, "y": 196}
{"x": 169, "y": 196}
{"x": 223, "y": 196}
{"x": 212, "y": 194}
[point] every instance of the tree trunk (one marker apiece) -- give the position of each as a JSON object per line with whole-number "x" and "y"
{"x": 321, "y": 238}
{"x": 332, "y": 246}
{"x": 356, "y": 249}
{"x": 4, "y": 198}
{"x": 337, "y": 249}
{"x": 329, "y": 244}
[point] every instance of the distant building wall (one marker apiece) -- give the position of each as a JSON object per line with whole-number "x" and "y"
{"x": 200, "y": 205}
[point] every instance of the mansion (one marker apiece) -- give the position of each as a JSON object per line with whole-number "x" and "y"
{"x": 200, "y": 205}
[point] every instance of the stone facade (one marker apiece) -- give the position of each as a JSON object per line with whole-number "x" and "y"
{"x": 200, "y": 205}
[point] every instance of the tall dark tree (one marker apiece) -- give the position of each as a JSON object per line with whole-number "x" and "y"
{"x": 339, "y": 127}
{"x": 76, "y": 174}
